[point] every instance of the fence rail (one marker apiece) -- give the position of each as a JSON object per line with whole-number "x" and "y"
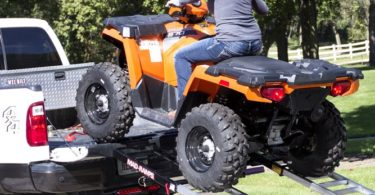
{"x": 339, "y": 54}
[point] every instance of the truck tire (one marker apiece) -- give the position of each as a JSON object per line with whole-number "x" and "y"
{"x": 318, "y": 153}
{"x": 104, "y": 105}
{"x": 212, "y": 147}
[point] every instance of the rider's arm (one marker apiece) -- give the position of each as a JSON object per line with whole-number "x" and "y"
{"x": 260, "y": 7}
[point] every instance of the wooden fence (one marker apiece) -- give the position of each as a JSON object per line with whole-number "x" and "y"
{"x": 352, "y": 53}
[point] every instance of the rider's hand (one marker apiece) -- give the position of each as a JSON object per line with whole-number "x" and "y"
{"x": 173, "y": 2}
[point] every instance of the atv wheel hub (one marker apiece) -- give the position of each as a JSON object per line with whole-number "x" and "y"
{"x": 96, "y": 103}
{"x": 102, "y": 103}
{"x": 200, "y": 149}
{"x": 207, "y": 148}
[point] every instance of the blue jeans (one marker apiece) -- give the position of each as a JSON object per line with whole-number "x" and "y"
{"x": 210, "y": 49}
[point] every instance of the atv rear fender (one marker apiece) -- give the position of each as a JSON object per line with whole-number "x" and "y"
{"x": 130, "y": 47}
{"x": 200, "y": 81}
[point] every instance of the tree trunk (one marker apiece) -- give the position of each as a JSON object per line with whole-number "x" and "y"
{"x": 337, "y": 35}
{"x": 308, "y": 16}
{"x": 282, "y": 44}
{"x": 372, "y": 32}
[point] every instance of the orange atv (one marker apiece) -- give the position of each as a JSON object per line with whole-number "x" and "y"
{"x": 229, "y": 110}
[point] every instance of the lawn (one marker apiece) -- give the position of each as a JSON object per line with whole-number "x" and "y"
{"x": 358, "y": 110}
{"x": 271, "y": 183}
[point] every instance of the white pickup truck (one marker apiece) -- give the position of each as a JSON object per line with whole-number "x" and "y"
{"x": 31, "y": 54}
{"x": 36, "y": 78}
{"x": 35, "y": 160}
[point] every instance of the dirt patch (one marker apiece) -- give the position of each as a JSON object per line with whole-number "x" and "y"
{"x": 352, "y": 162}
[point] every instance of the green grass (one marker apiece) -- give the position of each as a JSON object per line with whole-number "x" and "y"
{"x": 358, "y": 110}
{"x": 271, "y": 183}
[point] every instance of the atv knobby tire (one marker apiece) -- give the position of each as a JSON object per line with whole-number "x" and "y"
{"x": 328, "y": 138}
{"x": 103, "y": 103}
{"x": 212, "y": 147}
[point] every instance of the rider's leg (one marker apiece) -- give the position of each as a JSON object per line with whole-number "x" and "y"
{"x": 209, "y": 50}
{"x": 204, "y": 50}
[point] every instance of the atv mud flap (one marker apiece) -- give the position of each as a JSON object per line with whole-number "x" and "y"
{"x": 305, "y": 99}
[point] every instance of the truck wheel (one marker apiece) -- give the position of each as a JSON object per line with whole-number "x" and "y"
{"x": 212, "y": 147}
{"x": 320, "y": 150}
{"x": 103, "y": 103}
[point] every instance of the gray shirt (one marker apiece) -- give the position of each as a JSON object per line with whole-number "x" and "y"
{"x": 235, "y": 19}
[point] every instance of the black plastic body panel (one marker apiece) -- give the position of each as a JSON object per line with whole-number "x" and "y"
{"x": 15, "y": 178}
{"x": 255, "y": 71}
{"x": 91, "y": 175}
{"x": 50, "y": 177}
{"x": 305, "y": 99}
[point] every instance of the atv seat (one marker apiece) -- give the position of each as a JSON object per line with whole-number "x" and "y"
{"x": 255, "y": 71}
{"x": 140, "y": 25}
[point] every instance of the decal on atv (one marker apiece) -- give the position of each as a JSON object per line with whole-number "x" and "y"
{"x": 181, "y": 33}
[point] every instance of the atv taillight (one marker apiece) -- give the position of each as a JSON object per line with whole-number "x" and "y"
{"x": 36, "y": 127}
{"x": 340, "y": 88}
{"x": 275, "y": 94}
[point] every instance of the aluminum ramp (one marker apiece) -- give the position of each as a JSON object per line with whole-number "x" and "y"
{"x": 333, "y": 184}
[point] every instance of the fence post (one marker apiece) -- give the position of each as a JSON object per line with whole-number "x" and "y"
{"x": 351, "y": 50}
{"x": 299, "y": 54}
{"x": 334, "y": 52}
{"x": 367, "y": 47}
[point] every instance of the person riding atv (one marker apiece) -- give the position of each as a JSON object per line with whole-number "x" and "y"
{"x": 237, "y": 34}
{"x": 228, "y": 109}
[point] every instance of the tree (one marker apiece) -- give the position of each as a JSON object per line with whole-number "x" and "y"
{"x": 308, "y": 17}
{"x": 80, "y": 23}
{"x": 275, "y": 27}
{"x": 372, "y": 32}
{"x": 328, "y": 15}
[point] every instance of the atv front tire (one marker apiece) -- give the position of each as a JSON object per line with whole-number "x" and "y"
{"x": 318, "y": 153}
{"x": 103, "y": 103}
{"x": 212, "y": 147}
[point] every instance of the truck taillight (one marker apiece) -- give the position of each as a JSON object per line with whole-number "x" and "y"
{"x": 340, "y": 88}
{"x": 36, "y": 127}
{"x": 275, "y": 94}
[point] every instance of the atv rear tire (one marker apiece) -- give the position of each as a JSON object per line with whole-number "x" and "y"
{"x": 320, "y": 152}
{"x": 212, "y": 147}
{"x": 103, "y": 103}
